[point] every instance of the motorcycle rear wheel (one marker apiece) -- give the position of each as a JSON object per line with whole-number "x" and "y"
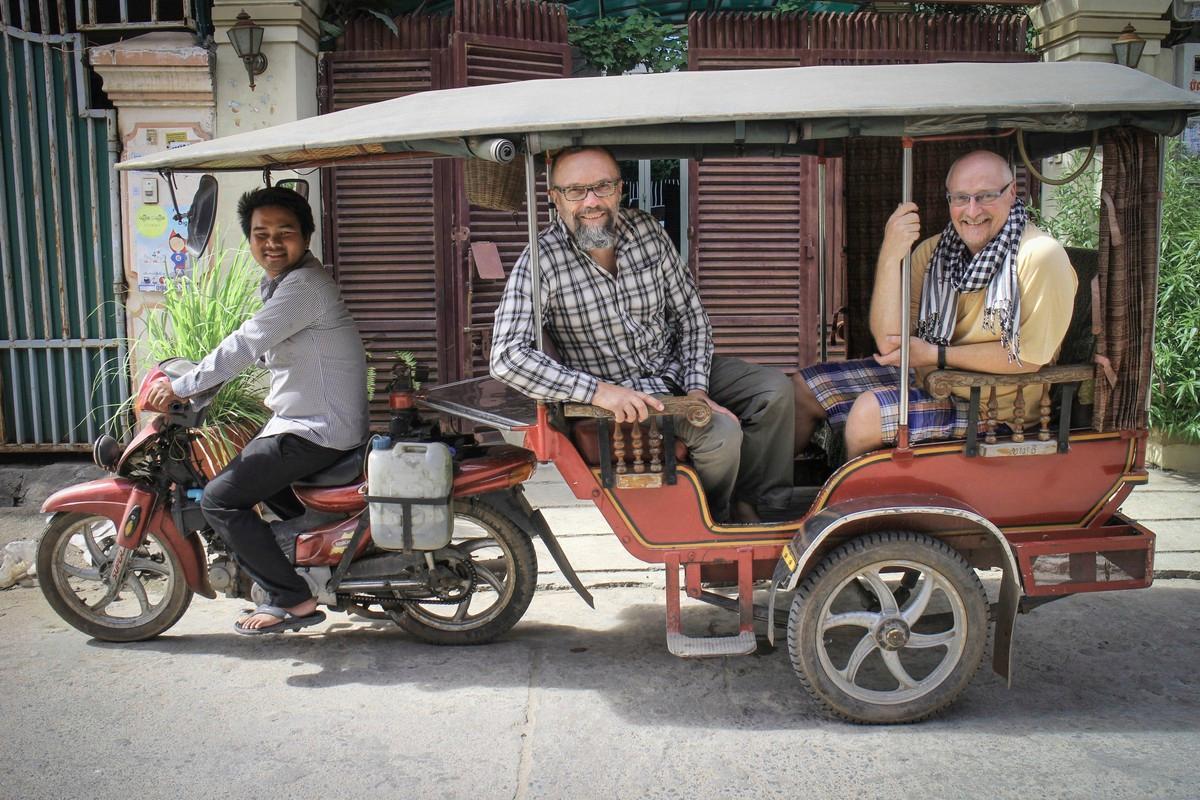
{"x": 72, "y": 567}
{"x": 506, "y": 577}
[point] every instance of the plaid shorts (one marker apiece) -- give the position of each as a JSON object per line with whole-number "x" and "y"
{"x": 837, "y": 384}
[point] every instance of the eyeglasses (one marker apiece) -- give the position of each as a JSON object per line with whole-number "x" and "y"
{"x": 960, "y": 199}
{"x": 576, "y": 192}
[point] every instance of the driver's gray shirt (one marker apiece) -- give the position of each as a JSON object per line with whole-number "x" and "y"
{"x": 306, "y": 338}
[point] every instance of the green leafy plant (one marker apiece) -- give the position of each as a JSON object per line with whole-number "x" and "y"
{"x": 339, "y": 13}
{"x": 197, "y": 313}
{"x": 814, "y": 7}
{"x": 1175, "y": 390}
{"x": 1076, "y": 223}
{"x": 619, "y": 44}
{"x": 410, "y": 361}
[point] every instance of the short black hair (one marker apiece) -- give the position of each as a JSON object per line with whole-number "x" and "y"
{"x": 276, "y": 196}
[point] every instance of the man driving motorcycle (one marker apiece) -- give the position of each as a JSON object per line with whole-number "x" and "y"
{"x": 307, "y": 340}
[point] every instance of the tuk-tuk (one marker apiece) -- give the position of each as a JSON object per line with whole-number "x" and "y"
{"x": 876, "y": 584}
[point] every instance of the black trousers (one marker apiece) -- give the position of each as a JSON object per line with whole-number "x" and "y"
{"x": 264, "y": 472}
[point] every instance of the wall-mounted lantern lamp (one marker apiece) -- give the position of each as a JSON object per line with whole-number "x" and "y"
{"x": 1128, "y": 47}
{"x": 247, "y": 39}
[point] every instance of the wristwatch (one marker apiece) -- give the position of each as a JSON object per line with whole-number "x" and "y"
{"x": 941, "y": 356}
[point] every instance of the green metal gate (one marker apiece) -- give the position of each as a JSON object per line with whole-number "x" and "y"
{"x": 62, "y": 370}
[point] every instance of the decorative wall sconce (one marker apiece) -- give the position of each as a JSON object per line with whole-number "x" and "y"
{"x": 1128, "y": 47}
{"x": 247, "y": 38}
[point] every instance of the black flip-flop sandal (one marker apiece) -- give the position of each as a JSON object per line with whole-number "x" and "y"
{"x": 287, "y": 621}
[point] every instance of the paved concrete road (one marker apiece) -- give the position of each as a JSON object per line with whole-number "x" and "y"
{"x": 576, "y": 703}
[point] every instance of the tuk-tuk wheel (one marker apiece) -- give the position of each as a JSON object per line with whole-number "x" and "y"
{"x": 888, "y": 628}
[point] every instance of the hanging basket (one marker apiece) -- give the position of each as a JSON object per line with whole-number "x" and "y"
{"x": 497, "y": 186}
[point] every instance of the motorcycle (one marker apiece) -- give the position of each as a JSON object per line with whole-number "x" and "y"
{"x": 121, "y": 557}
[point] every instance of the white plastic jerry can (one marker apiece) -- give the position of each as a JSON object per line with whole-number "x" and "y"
{"x": 408, "y": 486}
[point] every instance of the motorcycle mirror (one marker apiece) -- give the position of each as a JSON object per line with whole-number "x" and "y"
{"x": 202, "y": 215}
{"x": 297, "y": 185}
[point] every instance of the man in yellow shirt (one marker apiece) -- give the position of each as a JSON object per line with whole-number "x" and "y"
{"x": 993, "y": 293}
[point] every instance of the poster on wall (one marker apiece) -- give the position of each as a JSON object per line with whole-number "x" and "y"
{"x": 158, "y": 230}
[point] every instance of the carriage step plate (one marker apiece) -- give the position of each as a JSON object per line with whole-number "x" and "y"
{"x": 711, "y": 646}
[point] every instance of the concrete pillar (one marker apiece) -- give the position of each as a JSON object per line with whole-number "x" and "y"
{"x": 161, "y": 86}
{"x": 1084, "y": 30}
{"x": 286, "y": 91}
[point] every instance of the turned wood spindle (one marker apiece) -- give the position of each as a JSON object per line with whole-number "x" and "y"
{"x": 655, "y": 446}
{"x": 1018, "y": 426}
{"x": 618, "y": 446}
{"x": 989, "y": 420}
{"x": 635, "y": 444}
{"x": 1044, "y": 414}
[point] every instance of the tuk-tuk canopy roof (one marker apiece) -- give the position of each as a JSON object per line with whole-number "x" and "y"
{"x": 694, "y": 114}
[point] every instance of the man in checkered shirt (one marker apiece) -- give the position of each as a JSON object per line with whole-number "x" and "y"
{"x": 624, "y": 315}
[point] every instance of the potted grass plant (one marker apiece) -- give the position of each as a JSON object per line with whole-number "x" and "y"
{"x": 196, "y": 314}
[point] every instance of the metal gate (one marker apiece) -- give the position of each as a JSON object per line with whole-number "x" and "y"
{"x": 62, "y": 363}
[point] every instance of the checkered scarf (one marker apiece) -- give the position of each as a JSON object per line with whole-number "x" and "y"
{"x": 952, "y": 270}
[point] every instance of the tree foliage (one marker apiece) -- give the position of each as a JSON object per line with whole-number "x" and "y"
{"x": 1175, "y": 392}
{"x": 620, "y": 44}
{"x": 1077, "y": 221}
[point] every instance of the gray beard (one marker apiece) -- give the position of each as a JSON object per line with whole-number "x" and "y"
{"x": 598, "y": 237}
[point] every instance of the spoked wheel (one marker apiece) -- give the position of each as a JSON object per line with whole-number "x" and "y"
{"x": 888, "y": 628}
{"x": 73, "y": 566}
{"x": 505, "y": 568}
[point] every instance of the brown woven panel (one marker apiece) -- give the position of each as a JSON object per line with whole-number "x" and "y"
{"x": 873, "y": 190}
{"x": 500, "y": 187}
{"x": 1128, "y": 276}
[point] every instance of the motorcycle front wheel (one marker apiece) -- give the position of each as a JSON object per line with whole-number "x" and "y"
{"x": 505, "y": 578}
{"x": 73, "y": 568}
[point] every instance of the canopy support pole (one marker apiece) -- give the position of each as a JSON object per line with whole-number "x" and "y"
{"x": 535, "y": 270}
{"x": 906, "y": 190}
{"x": 821, "y": 279}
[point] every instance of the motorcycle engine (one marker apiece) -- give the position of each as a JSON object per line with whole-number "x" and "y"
{"x": 223, "y": 575}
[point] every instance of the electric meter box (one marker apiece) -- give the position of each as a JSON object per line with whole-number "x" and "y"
{"x": 1185, "y": 10}
{"x": 1187, "y": 76}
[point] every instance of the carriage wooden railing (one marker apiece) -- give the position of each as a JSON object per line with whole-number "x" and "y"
{"x": 645, "y": 457}
{"x": 939, "y": 383}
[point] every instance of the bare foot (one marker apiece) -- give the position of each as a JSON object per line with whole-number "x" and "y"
{"x": 255, "y": 621}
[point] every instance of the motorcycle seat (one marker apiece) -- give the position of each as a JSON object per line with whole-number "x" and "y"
{"x": 346, "y": 470}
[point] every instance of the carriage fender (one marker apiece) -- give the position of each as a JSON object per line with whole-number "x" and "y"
{"x": 107, "y": 497}
{"x": 934, "y": 515}
{"x": 513, "y": 503}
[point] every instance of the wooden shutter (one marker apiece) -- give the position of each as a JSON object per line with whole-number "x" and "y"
{"x": 753, "y": 233}
{"x": 498, "y": 43}
{"x": 382, "y": 221}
